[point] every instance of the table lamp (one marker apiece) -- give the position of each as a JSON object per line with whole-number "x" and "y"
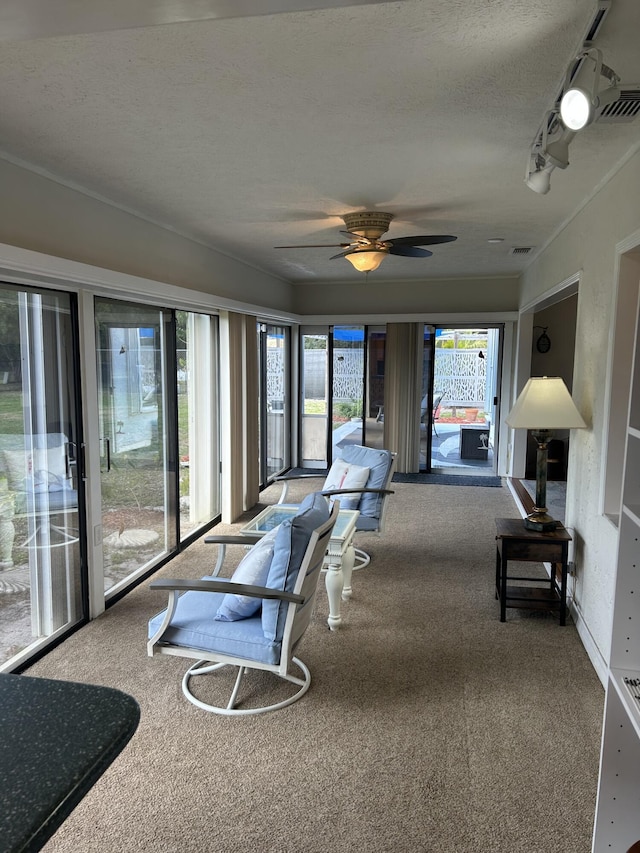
{"x": 543, "y": 405}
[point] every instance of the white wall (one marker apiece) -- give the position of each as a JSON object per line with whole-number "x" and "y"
{"x": 587, "y": 246}
{"x": 41, "y": 215}
{"x": 388, "y": 297}
{"x": 559, "y": 320}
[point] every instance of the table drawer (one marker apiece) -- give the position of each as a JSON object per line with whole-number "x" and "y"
{"x": 550, "y": 552}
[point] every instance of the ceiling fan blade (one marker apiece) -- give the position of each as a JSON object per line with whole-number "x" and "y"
{"x": 421, "y": 240}
{"x": 347, "y": 251}
{"x": 357, "y": 237}
{"x": 410, "y": 251}
{"x": 316, "y": 246}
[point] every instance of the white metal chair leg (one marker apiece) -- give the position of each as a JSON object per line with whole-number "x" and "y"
{"x": 234, "y": 693}
{"x": 230, "y": 710}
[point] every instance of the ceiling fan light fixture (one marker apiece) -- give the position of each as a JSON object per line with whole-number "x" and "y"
{"x": 366, "y": 260}
{"x": 365, "y": 250}
{"x": 371, "y": 224}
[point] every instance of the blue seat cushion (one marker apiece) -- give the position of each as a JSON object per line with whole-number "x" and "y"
{"x": 61, "y": 500}
{"x": 378, "y": 462}
{"x": 365, "y": 522}
{"x": 193, "y": 627}
{"x": 291, "y": 543}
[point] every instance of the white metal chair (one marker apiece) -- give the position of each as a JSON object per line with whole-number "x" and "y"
{"x": 437, "y": 401}
{"x": 361, "y": 479}
{"x": 251, "y": 626}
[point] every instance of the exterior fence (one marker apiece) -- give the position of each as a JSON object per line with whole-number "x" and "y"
{"x": 459, "y": 374}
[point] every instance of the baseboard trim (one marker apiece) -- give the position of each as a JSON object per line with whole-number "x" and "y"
{"x": 593, "y": 652}
{"x": 523, "y": 499}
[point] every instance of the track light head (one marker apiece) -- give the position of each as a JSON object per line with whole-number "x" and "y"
{"x": 540, "y": 179}
{"x": 586, "y": 93}
{"x": 547, "y": 156}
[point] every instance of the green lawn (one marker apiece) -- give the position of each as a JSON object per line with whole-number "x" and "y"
{"x": 315, "y": 407}
{"x": 11, "y": 420}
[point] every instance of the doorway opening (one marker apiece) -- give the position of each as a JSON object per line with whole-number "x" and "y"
{"x": 459, "y": 407}
{"x": 552, "y": 354}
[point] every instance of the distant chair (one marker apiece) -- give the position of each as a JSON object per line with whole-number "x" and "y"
{"x": 360, "y": 478}
{"x": 437, "y": 400}
{"x": 256, "y": 620}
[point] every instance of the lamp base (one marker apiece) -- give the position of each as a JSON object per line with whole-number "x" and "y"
{"x": 541, "y": 521}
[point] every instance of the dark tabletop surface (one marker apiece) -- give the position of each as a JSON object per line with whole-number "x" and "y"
{"x": 56, "y": 739}
{"x": 514, "y": 528}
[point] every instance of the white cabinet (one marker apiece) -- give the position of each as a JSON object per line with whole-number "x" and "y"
{"x": 617, "y": 825}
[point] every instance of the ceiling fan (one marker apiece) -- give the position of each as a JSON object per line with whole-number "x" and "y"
{"x": 366, "y": 250}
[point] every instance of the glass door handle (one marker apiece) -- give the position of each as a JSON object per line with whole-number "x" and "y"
{"x": 107, "y": 450}
{"x": 73, "y": 465}
{"x": 83, "y": 470}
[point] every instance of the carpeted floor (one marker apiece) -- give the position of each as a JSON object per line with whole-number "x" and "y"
{"x": 430, "y": 727}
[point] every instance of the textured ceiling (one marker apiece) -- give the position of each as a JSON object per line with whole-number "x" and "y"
{"x": 249, "y": 132}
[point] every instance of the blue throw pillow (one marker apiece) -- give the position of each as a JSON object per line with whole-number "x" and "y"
{"x": 253, "y": 570}
{"x": 291, "y": 543}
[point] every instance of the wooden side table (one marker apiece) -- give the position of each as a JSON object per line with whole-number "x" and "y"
{"x": 515, "y": 542}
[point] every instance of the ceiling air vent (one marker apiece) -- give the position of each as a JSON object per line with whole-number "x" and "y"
{"x": 625, "y": 109}
{"x": 520, "y": 250}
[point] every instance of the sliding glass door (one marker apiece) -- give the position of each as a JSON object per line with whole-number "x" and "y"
{"x": 374, "y": 407}
{"x": 460, "y": 407}
{"x": 158, "y": 400}
{"x": 314, "y": 402}
{"x": 42, "y": 561}
{"x": 198, "y": 427}
{"x": 333, "y": 369}
{"x": 159, "y": 433}
{"x": 273, "y": 355}
{"x": 347, "y": 387}
{"x": 430, "y": 398}
{"x": 138, "y": 465}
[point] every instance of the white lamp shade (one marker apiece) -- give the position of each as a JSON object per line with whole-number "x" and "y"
{"x": 545, "y": 403}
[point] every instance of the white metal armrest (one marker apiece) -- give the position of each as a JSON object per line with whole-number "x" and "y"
{"x": 224, "y": 585}
{"x": 224, "y": 540}
{"x": 362, "y": 491}
{"x": 285, "y": 479}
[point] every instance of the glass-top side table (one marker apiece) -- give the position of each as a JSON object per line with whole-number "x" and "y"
{"x": 340, "y": 553}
